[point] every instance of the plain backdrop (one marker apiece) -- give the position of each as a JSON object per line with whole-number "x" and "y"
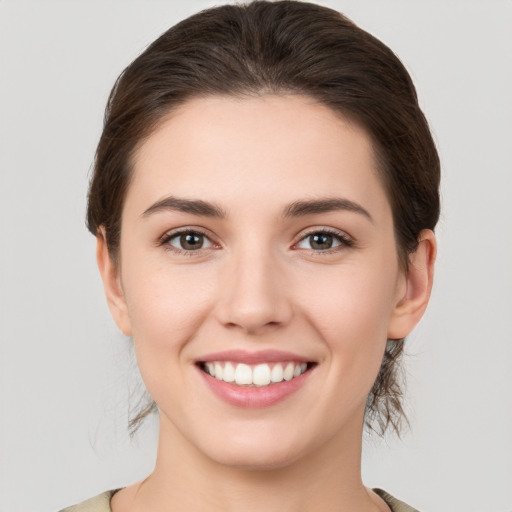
{"x": 67, "y": 375}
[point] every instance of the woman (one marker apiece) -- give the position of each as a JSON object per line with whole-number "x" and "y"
{"x": 264, "y": 197}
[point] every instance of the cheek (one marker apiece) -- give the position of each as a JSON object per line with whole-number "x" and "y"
{"x": 352, "y": 320}
{"x": 166, "y": 310}
{"x": 163, "y": 298}
{"x": 352, "y": 300}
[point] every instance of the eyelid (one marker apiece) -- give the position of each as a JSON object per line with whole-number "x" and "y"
{"x": 345, "y": 240}
{"x": 173, "y": 233}
{"x": 343, "y": 237}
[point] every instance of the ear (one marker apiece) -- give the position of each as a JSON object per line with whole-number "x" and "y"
{"x": 415, "y": 288}
{"x": 111, "y": 278}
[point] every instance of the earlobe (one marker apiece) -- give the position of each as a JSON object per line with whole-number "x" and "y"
{"x": 110, "y": 276}
{"x": 412, "y": 302}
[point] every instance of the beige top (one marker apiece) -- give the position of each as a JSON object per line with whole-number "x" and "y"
{"x": 101, "y": 503}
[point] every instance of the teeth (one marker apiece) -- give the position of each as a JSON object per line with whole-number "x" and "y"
{"x": 229, "y": 373}
{"x": 277, "y": 373}
{"x": 258, "y": 375}
{"x": 289, "y": 371}
{"x": 243, "y": 374}
{"x": 261, "y": 375}
{"x": 218, "y": 371}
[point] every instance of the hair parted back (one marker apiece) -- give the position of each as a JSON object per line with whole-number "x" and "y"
{"x": 280, "y": 47}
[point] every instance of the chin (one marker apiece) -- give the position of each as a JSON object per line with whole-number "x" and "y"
{"x": 256, "y": 452}
{"x": 255, "y": 459}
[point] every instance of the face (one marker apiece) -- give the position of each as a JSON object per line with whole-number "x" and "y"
{"x": 258, "y": 277}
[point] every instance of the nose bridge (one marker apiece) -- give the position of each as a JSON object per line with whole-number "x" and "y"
{"x": 254, "y": 296}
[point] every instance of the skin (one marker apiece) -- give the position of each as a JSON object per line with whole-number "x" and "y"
{"x": 258, "y": 283}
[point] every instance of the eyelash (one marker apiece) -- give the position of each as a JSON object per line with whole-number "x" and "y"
{"x": 344, "y": 241}
{"x": 166, "y": 239}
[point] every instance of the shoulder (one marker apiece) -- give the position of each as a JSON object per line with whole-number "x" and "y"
{"x": 100, "y": 503}
{"x": 394, "y": 504}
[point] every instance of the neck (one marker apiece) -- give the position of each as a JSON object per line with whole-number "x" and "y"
{"x": 327, "y": 479}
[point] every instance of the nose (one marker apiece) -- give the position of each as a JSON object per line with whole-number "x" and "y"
{"x": 254, "y": 297}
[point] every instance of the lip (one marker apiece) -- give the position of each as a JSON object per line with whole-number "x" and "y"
{"x": 254, "y": 397}
{"x": 263, "y": 356}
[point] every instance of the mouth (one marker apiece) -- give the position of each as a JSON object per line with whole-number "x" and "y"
{"x": 255, "y": 375}
{"x": 254, "y": 379}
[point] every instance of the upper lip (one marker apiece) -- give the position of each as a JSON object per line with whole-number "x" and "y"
{"x": 263, "y": 356}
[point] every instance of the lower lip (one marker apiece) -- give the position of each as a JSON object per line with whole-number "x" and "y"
{"x": 254, "y": 397}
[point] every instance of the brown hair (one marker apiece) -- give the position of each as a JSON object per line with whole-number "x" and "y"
{"x": 279, "y": 47}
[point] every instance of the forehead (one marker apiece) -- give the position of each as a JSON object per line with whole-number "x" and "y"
{"x": 255, "y": 148}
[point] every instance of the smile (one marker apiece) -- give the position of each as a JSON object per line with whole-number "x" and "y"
{"x": 254, "y": 379}
{"x": 258, "y": 375}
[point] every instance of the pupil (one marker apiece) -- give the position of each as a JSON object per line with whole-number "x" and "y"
{"x": 321, "y": 241}
{"x": 191, "y": 241}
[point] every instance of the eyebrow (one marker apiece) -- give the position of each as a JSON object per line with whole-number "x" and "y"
{"x": 314, "y": 206}
{"x": 193, "y": 206}
{"x": 296, "y": 209}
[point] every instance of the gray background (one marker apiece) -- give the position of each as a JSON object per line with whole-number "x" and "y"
{"x": 66, "y": 374}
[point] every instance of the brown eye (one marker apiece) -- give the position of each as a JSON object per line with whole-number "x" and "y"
{"x": 189, "y": 241}
{"x": 321, "y": 241}
{"x": 324, "y": 240}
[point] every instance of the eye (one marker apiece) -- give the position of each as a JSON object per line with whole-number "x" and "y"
{"x": 323, "y": 241}
{"x": 188, "y": 241}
